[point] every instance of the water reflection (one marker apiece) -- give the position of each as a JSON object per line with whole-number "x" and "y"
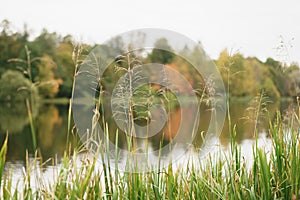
{"x": 51, "y": 127}
{"x": 14, "y": 117}
{"x": 245, "y": 120}
{"x": 50, "y": 122}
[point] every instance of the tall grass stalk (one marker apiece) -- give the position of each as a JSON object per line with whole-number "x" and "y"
{"x": 77, "y": 51}
{"x": 3, "y": 157}
{"x": 32, "y": 127}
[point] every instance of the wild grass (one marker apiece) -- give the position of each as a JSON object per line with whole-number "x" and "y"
{"x": 273, "y": 174}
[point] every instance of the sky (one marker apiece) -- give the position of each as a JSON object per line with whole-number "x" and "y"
{"x": 250, "y": 27}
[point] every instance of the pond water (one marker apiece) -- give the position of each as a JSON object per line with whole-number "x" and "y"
{"x": 51, "y": 122}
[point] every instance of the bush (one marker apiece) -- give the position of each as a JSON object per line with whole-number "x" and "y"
{"x": 15, "y": 87}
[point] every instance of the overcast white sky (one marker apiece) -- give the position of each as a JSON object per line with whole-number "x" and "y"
{"x": 251, "y": 26}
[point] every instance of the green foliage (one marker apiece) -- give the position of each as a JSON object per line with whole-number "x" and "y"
{"x": 270, "y": 88}
{"x": 162, "y": 52}
{"x": 292, "y": 74}
{"x": 47, "y": 84}
{"x": 11, "y": 44}
{"x": 249, "y": 76}
{"x": 65, "y": 65}
{"x": 238, "y": 77}
{"x": 13, "y": 117}
{"x": 16, "y": 88}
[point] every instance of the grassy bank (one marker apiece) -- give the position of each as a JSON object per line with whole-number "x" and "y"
{"x": 273, "y": 174}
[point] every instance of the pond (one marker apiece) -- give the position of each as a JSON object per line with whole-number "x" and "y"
{"x": 51, "y": 122}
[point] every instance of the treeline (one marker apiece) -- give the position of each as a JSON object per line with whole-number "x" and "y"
{"x": 45, "y": 60}
{"x": 248, "y": 76}
{"x": 44, "y": 65}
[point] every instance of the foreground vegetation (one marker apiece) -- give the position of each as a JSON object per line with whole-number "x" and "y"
{"x": 273, "y": 174}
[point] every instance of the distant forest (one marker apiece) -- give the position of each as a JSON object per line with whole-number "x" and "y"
{"x": 45, "y": 64}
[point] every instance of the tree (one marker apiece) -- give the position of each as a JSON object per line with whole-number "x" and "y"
{"x": 15, "y": 87}
{"x": 237, "y": 78}
{"x": 48, "y": 85}
{"x": 162, "y": 52}
{"x": 10, "y": 46}
{"x": 277, "y": 75}
{"x": 269, "y": 88}
{"x": 45, "y": 43}
{"x": 65, "y": 67}
{"x": 292, "y": 74}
